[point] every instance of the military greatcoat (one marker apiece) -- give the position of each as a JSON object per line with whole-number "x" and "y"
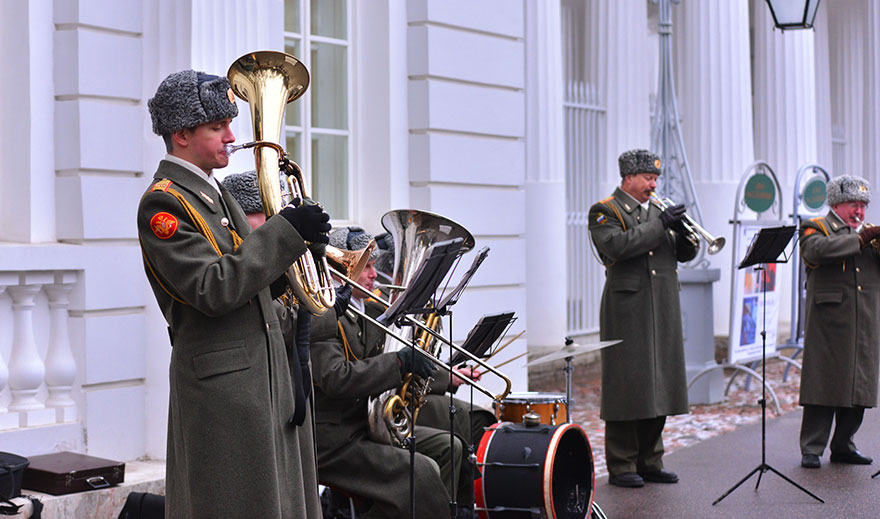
{"x": 231, "y": 452}
{"x": 842, "y": 331}
{"x": 347, "y": 458}
{"x": 643, "y": 376}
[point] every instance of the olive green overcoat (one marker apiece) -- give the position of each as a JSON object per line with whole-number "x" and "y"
{"x": 842, "y": 316}
{"x": 643, "y": 376}
{"x": 231, "y": 452}
{"x": 347, "y": 458}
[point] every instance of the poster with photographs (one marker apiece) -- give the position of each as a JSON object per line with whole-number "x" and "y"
{"x": 747, "y": 307}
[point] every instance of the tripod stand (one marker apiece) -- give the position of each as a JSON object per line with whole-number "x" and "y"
{"x": 768, "y": 245}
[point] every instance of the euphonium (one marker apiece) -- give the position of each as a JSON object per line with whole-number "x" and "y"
{"x": 413, "y": 233}
{"x": 267, "y": 81}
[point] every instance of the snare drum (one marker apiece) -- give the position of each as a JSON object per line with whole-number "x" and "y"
{"x": 549, "y": 406}
{"x": 538, "y": 471}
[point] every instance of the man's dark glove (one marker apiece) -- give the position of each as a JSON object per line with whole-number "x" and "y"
{"x": 343, "y": 297}
{"x": 868, "y": 234}
{"x": 422, "y": 367}
{"x": 671, "y": 215}
{"x": 309, "y": 220}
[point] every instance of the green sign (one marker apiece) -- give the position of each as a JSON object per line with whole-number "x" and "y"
{"x": 760, "y": 193}
{"x": 814, "y": 194}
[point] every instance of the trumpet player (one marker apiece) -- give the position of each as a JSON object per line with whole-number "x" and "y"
{"x": 840, "y": 364}
{"x": 229, "y": 431}
{"x": 643, "y": 377}
{"x": 349, "y": 366}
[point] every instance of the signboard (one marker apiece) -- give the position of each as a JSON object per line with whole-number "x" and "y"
{"x": 748, "y": 304}
{"x": 815, "y": 193}
{"x": 760, "y": 193}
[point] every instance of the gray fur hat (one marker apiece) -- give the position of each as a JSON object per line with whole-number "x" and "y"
{"x": 385, "y": 262}
{"x": 243, "y": 187}
{"x": 188, "y": 98}
{"x": 352, "y": 238}
{"x": 848, "y": 188}
{"x": 638, "y": 161}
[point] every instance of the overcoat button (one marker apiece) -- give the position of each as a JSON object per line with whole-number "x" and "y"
{"x": 653, "y": 272}
{"x": 224, "y": 221}
{"x": 650, "y": 253}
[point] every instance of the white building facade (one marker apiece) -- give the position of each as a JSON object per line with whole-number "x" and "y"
{"x": 504, "y": 115}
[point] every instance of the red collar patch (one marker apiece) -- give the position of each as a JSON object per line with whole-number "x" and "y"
{"x": 164, "y": 225}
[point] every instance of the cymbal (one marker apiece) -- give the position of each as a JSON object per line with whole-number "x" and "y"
{"x": 573, "y": 350}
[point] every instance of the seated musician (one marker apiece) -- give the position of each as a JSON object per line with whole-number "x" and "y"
{"x": 348, "y": 367}
{"x": 470, "y": 422}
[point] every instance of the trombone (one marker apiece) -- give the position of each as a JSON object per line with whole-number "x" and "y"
{"x": 435, "y": 360}
{"x": 694, "y": 230}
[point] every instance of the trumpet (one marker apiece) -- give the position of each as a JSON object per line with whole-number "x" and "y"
{"x": 695, "y": 231}
{"x": 864, "y": 225}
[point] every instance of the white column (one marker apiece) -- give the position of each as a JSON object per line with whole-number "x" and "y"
{"x": 713, "y": 83}
{"x": 631, "y": 67}
{"x": 26, "y": 47}
{"x": 545, "y": 177}
{"x": 846, "y": 37}
{"x": 871, "y": 144}
{"x": 7, "y": 420}
{"x": 785, "y": 97}
{"x": 824, "y": 132}
{"x": 26, "y": 369}
{"x": 60, "y": 364}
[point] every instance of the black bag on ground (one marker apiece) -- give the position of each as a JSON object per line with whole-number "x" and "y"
{"x": 142, "y": 505}
{"x": 11, "y": 471}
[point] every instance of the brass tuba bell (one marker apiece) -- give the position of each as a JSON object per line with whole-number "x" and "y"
{"x": 267, "y": 81}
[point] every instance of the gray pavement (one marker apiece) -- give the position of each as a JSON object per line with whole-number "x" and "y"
{"x": 709, "y": 468}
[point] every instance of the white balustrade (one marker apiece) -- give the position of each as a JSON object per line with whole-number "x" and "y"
{"x": 26, "y": 368}
{"x": 60, "y": 364}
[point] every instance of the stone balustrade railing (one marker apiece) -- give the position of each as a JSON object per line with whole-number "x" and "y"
{"x": 36, "y": 389}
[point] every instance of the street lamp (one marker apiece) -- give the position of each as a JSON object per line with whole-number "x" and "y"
{"x": 793, "y": 14}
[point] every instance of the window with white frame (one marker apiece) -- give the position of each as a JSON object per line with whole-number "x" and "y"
{"x": 317, "y": 126}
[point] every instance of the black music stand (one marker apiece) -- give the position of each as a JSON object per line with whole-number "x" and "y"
{"x": 767, "y": 247}
{"x": 425, "y": 281}
{"x": 482, "y": 336}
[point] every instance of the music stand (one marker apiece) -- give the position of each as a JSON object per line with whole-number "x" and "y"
{"x": 482, "y": 336}
{"x": 455, "y": 294}
{"x": 767, "y": 247}
{"x": 425, "y": 281}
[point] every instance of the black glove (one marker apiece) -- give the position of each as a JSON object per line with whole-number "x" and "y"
{"x": 671, "y": 215}
{"x": 422, "y": 367}
{"x": 309, "y": 220}
{"x": 343, "y": 297}
{"x": 868, "y": 234}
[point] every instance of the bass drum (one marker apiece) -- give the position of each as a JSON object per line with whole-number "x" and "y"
{"x": 535, "y": 471}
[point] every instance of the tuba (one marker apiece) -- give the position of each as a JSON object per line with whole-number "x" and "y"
{"x": 413, "y": 232}
{"x": 267, "y": 81}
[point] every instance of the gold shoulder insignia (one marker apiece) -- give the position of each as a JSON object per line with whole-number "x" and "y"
{"x": 161, "y": 185}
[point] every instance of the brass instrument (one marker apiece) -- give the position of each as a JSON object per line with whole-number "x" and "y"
{"x": 414, "y": 232}
{"x": 695, "y": 230}
{"x": 267, "y": 81}
{"x": 863, "y": 225}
